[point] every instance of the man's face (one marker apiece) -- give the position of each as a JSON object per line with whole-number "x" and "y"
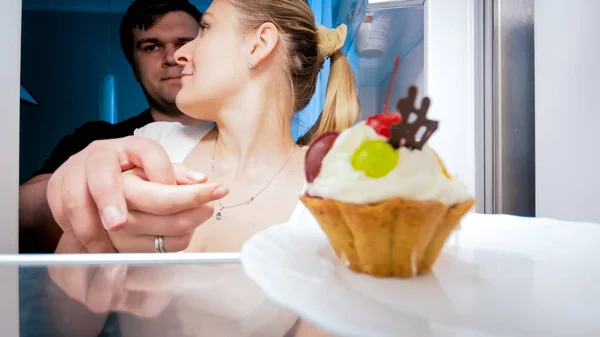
{"x": 155, "y": 66}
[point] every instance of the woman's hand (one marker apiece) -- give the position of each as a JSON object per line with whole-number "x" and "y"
{"x": 171, "y": 211}
{"x": 89, "y": 195}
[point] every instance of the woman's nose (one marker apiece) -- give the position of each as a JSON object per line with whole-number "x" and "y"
{"x": 182, "y": 55}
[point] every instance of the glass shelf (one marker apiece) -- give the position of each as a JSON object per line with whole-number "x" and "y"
{"x": 177, "y": 294}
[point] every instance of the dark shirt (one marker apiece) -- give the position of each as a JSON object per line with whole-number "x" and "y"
{"x": 89, "y": 132}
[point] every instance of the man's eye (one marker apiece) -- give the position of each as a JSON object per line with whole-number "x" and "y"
{"x": 151, "y": 48}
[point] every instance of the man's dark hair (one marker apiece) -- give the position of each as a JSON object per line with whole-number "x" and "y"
{"x": 143, "y": 14}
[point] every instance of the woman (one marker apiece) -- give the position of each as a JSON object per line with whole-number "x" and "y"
{"x": 251, "y": 67}
{"x": 253, "y": 64}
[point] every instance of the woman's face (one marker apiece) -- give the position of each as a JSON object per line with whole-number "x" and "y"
{"x": 215, "y": 63}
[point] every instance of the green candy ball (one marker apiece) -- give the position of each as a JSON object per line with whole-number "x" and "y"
{"x": 375, "y": 158}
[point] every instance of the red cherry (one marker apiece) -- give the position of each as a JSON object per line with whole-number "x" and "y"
{"x": 379, "y": 127}
{"x": 382, "y": 122}
{"x": 316, "y": 152}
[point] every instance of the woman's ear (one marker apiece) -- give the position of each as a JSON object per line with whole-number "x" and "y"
{"x": 264, "y": 41}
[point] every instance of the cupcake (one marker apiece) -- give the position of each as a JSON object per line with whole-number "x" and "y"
{"x": 383, "y": 197}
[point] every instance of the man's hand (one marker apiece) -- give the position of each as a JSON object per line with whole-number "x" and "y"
{"x": 90, "y": 195}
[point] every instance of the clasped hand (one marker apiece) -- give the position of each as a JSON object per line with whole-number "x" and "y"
{"x": 118, "y": 195}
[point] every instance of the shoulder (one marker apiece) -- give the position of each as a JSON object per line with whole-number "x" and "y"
{"x": 96, "y": 130}
{"x": 83, "y": 135}
{"x": 177, "y": 139}
{"x": 93, "y": 129}
{"x": 158, "y": 130}
{"x": 74, "y": 142}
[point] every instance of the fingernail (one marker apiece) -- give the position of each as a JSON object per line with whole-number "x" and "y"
{"x": 196, "y": 176}
{"x": 112, "y": 217}
{"x": 220, "y": 192}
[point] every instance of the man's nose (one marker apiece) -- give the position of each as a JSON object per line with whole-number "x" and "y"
{"x": 169, "y": 57}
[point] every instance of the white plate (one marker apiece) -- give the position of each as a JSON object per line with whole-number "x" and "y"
{"x": 498, "y": 276}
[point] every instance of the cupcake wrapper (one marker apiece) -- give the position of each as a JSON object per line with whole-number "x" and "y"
{"x": 390, "y": 238}
{"x": 340, "y": 237}
{"x": 446, "y": 226}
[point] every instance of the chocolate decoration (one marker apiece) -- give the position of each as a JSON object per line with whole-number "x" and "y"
{"x": 407, "y": 132}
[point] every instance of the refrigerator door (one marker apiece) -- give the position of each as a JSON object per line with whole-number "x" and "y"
{"x": 508, "y": 121}
{"x": 567, "y": 75}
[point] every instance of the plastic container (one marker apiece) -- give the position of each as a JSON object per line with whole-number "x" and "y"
{"x": 372, "y": 37}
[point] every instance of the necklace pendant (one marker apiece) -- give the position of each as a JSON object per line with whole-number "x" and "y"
{"x": 218, "y": 215}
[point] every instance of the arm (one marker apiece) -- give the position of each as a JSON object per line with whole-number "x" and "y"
{"x": 38, "y": 232}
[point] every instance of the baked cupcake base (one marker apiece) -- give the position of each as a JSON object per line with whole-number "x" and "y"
{"x": 396, "y": 237}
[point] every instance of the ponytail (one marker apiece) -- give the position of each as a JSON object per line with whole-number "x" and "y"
{"x": 341, "y": 108}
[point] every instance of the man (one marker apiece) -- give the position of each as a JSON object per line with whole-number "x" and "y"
{"x": 150, "y": 33}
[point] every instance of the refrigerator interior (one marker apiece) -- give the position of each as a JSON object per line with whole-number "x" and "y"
{"x": 385, "y": 34}
{"x": 428, "y": 36}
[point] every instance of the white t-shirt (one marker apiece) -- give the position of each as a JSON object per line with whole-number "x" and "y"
{"x": 179, "y": 140}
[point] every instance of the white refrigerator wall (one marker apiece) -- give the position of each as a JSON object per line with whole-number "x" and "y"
{"x": 567, "y": 90}
{"x": 10, "y": 65}
{"x": 449, "y": 81}
{"x": 10, "y": 35}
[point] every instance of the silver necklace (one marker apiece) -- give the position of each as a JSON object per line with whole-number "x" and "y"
{"x": 219, "y": 214}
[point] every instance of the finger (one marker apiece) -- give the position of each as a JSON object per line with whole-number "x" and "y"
{"x": 103, "y": 287}
{"x": 55, "y": 199}
{"x": 126, "y": 243}
{"x": 150, "y": 156}
{"x": 68, "y": 244}
{"x": 140, "y": 223}
{"x": 104, "y": 165}
{"x": 143, "y": 304}
{"x": 160, "y": 199}
{"x": 184, "y": 175}
{"x": 103, "y": 176}
{"x": 83, "y": 215}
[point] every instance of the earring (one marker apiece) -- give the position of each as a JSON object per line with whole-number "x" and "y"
{"x": 250, "y": 65}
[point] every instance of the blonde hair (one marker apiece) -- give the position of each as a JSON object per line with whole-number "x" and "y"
{"x": 301, "y": 42}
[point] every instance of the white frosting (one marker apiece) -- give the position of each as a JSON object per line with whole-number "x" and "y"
{"x": 417, "y": 176}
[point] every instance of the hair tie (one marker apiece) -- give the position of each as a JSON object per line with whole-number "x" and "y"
{"x": 330, "y": 40}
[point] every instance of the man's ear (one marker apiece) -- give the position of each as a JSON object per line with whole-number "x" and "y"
{"x": 264, "y": 41}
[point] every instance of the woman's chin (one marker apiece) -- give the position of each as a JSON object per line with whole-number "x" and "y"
{"x": 184, "y": 103}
